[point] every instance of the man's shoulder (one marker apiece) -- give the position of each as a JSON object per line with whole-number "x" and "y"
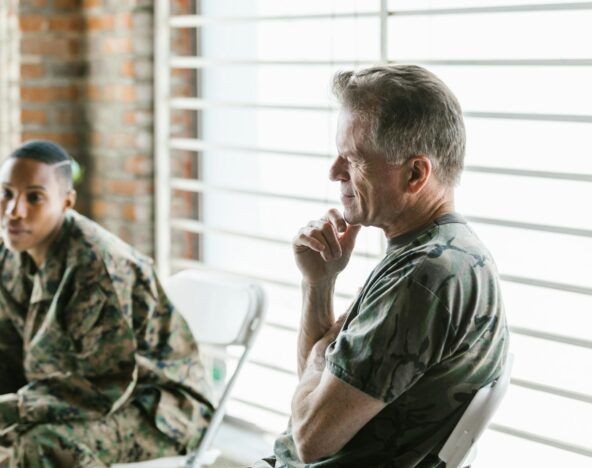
{"x": 93, "y": 246}
{"x": 436, "y": 252}
{"x": 451, "y": 252}
{"x": 446, "y": 265}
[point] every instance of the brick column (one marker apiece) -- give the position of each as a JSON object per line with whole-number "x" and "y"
{"x": 119, "y": 107}
{"x": 87, "y": 83}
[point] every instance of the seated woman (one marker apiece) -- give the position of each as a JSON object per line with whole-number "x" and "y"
{"x": 96, "y": 366}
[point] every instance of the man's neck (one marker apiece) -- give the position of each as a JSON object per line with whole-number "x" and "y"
{"x": 420, "y": 215}
{"x": 40, "y": 251}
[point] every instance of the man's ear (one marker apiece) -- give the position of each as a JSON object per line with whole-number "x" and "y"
{"x": 420, "y": 170}
{"x": 70, "y": 199}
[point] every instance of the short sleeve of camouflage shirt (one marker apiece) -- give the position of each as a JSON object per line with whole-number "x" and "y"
{"x": 398, "y": 332}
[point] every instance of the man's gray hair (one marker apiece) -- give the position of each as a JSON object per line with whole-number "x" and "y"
{"x": 410, "y": 112}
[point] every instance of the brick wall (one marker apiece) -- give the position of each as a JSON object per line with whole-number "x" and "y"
{"x": 87, "y": 83}
{"x": 52, "y": 75}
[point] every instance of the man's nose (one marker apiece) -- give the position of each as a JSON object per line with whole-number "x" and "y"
{"x": 338, "y": 170}
{"x": 17, "y": 208}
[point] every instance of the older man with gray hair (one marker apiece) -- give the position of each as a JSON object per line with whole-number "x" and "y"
{"x": 384, "y": 384}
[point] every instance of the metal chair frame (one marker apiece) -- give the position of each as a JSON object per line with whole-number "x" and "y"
{"x": 459, "y": 449}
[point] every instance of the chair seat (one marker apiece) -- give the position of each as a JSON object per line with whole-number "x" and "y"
{"x": 208, "y": 458}
{"x": 167, "y": 462}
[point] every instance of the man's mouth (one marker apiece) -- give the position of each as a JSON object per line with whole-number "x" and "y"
{"x": 16, "y": 230}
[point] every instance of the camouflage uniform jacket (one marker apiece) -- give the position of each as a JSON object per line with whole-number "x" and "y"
{"x": 426, "y": 331}
{"x": 91, "y": 331}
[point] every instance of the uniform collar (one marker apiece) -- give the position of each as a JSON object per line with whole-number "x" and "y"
{"x": 406, "y": 238}
{"x": 19, "y": 270}
{"x": 48, "y": 277}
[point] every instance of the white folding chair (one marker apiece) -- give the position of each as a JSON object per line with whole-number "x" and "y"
{"x": 221, "y": 311}
{"x": 460, "y": 450}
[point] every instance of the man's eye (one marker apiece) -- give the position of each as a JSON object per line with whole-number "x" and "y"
{"x": 6, "y": 194}
{"x": 33, "y": 197}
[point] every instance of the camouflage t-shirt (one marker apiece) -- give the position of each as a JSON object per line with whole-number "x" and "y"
{"x": 91, "y": 331}
{"x": 426, "y": 331}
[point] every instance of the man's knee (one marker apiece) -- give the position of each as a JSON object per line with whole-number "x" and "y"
{"x": 46, "y": 445}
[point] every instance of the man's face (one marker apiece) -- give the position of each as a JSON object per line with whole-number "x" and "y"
{"x": 371, "y": 188}
{"x": 32, "y": 204}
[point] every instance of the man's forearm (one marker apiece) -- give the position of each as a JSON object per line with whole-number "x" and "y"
{"x": 317, "y": 318}
{"x": 309, "y": 381}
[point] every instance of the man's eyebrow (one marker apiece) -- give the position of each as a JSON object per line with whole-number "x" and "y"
{"x": 30, "y": 187}
{"x": 354, "y": 155}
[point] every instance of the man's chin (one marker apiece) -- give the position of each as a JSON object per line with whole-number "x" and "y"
{"x": 351, "y": 218}
{"x": 14, "y": 245}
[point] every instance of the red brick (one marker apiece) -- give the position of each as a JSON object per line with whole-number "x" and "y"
{"x": 32, "y": 70}
{"x": 128, "y": 187}
{"x": 67, "y": 139}
{"x": 128, "y": 68}
{"x": 138, "y": 165}
{"x": 117, "y": 45}
{"x": 120, "y": 93}
{"x": 33, "y": 116}
{"x": 129, "y": 118}
{"x": 109, "y": 22}
{"x": 96, "y": 138}
{"x": 96, "y": 186}
{"x": 32, "y": 23}
{"x": 111, "y": 92}
{"x": 65, "y": 116}
{"x": 52, "y": 47}
{"x": 66, "y": 23}
{"x": 66, "y": 4}
{"x": 124, "y": 20}
{"x": 121, "y": 140}
{"x": 128, "y": 212}
{"x": 94, "y": 92}
{"x": 99, "y": 209}
{"x": 40, "y": 94}
{"x": 33, "y": 3}
{"x": 100, "y": 22}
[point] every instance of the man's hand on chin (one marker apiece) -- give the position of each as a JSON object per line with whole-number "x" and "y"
{"x": 323, "y": 248}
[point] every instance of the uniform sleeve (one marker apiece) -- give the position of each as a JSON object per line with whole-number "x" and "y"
{"x": 399, "y": 331}
{"x": 169, "y": 364}
{"x": 11, "y": 346}
{"x": 11, "y": 358}
{"x": 83, "y": 364}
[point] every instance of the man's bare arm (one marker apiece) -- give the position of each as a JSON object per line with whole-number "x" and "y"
{"x": 322, "y": 250}
{"x": 327, "y": 412}
{"x": 316, "y": 320}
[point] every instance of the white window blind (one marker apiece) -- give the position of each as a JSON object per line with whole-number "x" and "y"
{"x": 267, "y": 121}
{"x": 9, "y": 73}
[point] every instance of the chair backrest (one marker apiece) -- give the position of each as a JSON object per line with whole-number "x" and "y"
{"x": 220, "y": 311}
{"x": 475, "y": 419}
